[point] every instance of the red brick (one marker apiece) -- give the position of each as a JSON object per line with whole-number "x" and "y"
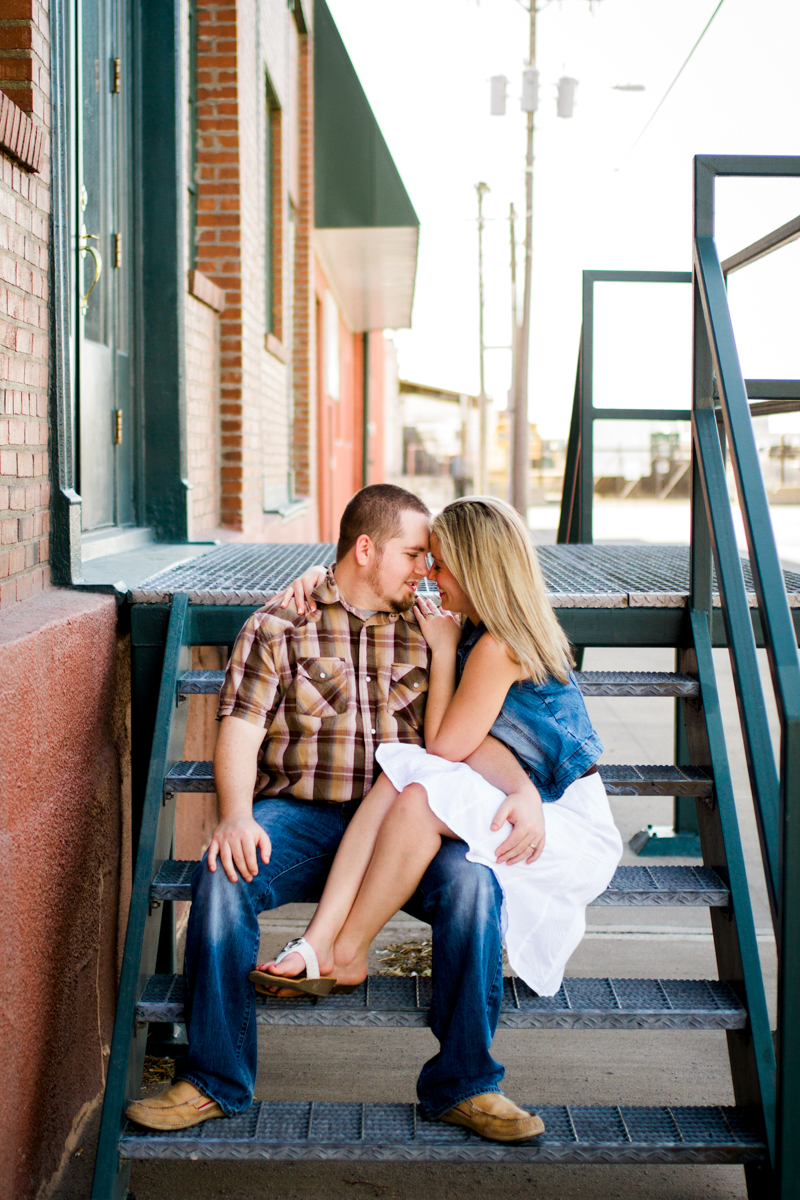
{"x": 8, "y": 593}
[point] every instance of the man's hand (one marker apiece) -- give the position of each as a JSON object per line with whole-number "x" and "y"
{"x": 523, "y": 810}
{"x": 236, "y": 841}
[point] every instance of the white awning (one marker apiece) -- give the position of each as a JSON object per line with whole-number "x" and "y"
{"x": 371, "y": 273}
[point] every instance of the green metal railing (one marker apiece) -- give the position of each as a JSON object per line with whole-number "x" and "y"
{"x": 723, "y": 403}
{"x": 575, "y": 524}
{"x": 775, "y": 785}
{"x": 150, "y": 937}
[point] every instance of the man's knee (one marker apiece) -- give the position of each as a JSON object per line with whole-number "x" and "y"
{"x": 467, "y": 890}
{"x": 217, "y": 902}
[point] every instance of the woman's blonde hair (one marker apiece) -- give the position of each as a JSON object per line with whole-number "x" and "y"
{"x": 485, "y": 544}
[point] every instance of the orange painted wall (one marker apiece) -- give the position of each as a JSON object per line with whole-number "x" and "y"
{"x": 340, "y": 422}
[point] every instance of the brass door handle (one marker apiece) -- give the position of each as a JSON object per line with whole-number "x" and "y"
{"x": 85, "y": 248}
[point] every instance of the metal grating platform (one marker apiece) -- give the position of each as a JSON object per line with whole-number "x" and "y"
{"x": 403, "y": 1003}
{"x": 615, "y": 576}
{"x": 238, "y": 573}
{"x": 591, "y": 683}
{"x": 619, "y": 780}
{"x": 295, "y": 1130}
{"x": 631, "y": 886}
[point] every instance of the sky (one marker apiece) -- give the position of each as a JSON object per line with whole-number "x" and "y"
{"x": 425, "y": 66}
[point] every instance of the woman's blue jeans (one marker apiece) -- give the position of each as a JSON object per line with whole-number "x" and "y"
{"x": 459, "y": 899}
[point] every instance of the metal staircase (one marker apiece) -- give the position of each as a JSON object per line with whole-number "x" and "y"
{"x": 756, "y": 1132}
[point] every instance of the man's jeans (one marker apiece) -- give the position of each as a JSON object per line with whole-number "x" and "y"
{"x": 459, "y": 899}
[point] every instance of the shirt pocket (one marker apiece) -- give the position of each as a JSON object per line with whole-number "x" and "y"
{"x": 407, "y": 687}
{"x": 321, "y": 687}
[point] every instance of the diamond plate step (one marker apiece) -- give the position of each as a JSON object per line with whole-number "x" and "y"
{"x": 200, "y": 683}
{"x": 591, "y": 683}
{"x": 294, "y": 1130}
{"x": 619, "y": 780}
{"x": 640, "y": 886}
{"x": 579, "y": 1004}
{"x": 635, "y": 683}
{"x": 646, "y": 780}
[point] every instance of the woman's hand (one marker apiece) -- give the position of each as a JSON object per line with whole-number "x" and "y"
{"x": 300, "y": 590}
{"x": 525, "y": 814}
{"x": 440, "y": 628}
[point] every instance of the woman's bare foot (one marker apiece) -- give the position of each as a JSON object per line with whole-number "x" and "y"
{"x": 348, "y": 974}
{"x": 294, "y": 965}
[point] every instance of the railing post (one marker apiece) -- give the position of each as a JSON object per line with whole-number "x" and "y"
{"x": 568, "y": 520}
{"x": 789, "y": 965}
{"x": 702, "y": 397}
{"x": 586, "y": 471}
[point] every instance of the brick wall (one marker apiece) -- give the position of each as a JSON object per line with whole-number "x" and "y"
{"x": 25, "y": 55}
{"x": 24, "y": 210}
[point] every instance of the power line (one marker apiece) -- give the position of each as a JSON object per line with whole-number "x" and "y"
{"x": 672, "y": 85}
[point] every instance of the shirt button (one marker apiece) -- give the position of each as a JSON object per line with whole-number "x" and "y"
{"x": 322, "y": 674}
{"x": 416, "y": 685}
{"x": 373, "y": 731}
{"x": 368, "y": 678}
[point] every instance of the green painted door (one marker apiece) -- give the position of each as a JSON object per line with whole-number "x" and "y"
{"x": 104, "y": 247}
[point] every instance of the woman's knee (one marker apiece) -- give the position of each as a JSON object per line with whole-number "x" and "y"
{"x": 413, "y": 798}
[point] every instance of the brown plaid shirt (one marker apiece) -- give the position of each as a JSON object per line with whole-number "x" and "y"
{"x": 328, "y": 687}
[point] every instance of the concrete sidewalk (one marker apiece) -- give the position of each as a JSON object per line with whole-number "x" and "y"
{"x": 542, "y": 1066}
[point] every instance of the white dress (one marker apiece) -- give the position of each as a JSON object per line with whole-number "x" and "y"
{"x": 544, "y": 903}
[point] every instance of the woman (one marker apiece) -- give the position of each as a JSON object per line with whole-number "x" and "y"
{"x": 504, "y": 671}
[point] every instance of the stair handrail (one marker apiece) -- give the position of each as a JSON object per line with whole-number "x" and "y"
{"x": 156, "y": 839}
{"x": 776, "y": 788}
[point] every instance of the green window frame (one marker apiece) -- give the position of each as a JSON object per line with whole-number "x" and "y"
{"x": 272, "y": 147}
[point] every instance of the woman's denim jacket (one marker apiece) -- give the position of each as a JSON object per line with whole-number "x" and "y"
{"x": 546, "y": 725}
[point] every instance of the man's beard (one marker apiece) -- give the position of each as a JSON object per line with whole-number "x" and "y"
{"x": 393, "y": 604}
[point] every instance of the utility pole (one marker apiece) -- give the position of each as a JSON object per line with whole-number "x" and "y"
{"x": 519, "y": 458}
{"x": 512, "y": 230}
{"x": 482, "y": 479}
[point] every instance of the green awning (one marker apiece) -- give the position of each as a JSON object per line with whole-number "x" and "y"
{"x": 366, "y": 227}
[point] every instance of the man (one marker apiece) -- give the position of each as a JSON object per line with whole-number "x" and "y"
{"x": 306, "y": 701}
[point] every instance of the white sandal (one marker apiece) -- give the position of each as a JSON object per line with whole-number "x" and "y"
{"x": 310, "y": 983}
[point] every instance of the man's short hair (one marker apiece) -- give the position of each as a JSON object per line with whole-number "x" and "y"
{"x": 376, "y": 511}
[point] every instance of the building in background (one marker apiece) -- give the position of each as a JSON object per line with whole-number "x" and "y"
{"x": 202, "y": 238}
{"x": 432, "y": 441}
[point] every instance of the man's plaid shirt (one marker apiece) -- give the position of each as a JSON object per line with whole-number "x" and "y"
{"x": 329, "y": 687}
